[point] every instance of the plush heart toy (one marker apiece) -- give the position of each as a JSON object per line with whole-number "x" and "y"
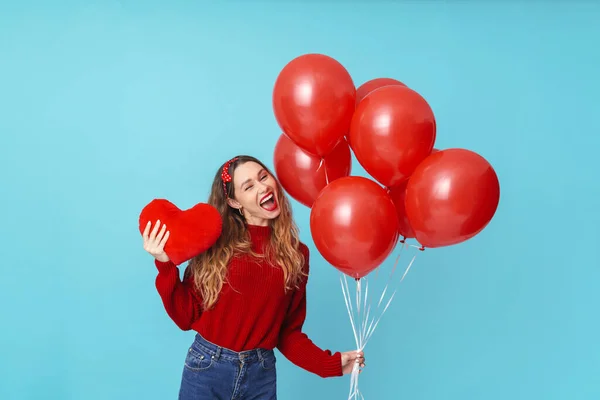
{"x": 192, "y": 231}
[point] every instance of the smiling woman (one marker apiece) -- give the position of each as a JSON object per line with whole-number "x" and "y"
{"x": 246, "y": 295}
{"x": 256, "y": 196}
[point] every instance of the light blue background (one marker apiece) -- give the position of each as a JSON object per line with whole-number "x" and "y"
{"x": 105, "y": 105}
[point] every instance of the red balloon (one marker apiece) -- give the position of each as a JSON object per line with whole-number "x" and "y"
{"x": 398, "y": 194}
{"x": 304, "y": 175}
{"x": 313, "y": 101}
{"x": 452, "y": 195}
{"x": 354, "y": 226}
{"x": 363, "y": 90}
{"x": 392, "y": 131}
{"x": 369, "y": 86}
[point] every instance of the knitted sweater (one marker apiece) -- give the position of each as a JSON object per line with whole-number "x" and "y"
{"x": 253, "y": 309}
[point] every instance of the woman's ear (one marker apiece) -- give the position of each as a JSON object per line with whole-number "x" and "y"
{"x": 233, "y": 203}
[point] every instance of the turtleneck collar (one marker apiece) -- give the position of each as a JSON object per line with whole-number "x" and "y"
{"x": 260, "y": 235}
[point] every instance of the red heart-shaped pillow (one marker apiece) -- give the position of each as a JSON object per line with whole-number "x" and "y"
{"x": 192, "y": 231}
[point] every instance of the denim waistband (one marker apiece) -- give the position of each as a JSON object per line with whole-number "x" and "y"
{"x": 221, "y": 352}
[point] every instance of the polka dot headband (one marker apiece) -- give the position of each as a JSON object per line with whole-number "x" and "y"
{"x": 225, "y": 174}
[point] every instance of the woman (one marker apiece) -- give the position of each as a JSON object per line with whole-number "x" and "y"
{"x": 246, "y": 295}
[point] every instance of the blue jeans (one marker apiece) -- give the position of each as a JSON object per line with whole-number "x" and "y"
{"x": 212, "y": 372}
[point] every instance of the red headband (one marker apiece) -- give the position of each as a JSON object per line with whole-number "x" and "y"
{"x": 225, "y": 174}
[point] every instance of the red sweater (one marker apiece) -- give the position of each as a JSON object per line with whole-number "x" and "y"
{"x": 253, "y": 310}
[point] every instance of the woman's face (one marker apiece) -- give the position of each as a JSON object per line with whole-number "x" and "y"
{"x": 255, "y": 191}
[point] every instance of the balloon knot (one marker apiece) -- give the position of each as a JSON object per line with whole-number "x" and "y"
{"x": 403, "y": 239}
{"x": 422, "y": 248}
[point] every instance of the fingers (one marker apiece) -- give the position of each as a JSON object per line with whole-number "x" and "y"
{"x": 146, "y": 231}
{"x": 354, "y": 356}
{"x": 161, "y": 234}
{"x": 359, "y": 357}
{"x": 155, "y": 240}
{"x": 361, "y": 361}
{"x": 155, "y": 230}
{"x": 161, "y": 245}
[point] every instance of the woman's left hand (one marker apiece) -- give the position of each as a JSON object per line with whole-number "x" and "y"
{"x": 349, "y": 358}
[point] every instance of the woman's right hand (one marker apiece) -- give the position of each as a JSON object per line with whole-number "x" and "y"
{"x": 154, "y": 242}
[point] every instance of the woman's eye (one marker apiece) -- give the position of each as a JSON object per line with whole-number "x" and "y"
{"x": 264, "y": 177}
{"x": 248, "y": 187}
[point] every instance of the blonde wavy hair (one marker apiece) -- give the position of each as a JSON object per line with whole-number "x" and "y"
{"x": 209, "y": 269}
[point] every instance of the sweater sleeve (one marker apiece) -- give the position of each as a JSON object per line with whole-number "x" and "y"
{"x": 295, "y": 344}
{"x": 179, "y": 298}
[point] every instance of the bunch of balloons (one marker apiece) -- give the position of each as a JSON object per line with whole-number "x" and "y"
{"x": 438, "y": 197}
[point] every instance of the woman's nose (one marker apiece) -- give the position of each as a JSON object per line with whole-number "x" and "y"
{"x": 262, "y": 188}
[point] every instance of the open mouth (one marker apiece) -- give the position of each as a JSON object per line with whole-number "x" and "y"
{"x": 268, "y": 202}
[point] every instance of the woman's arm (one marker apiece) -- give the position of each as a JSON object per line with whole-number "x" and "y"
{"x": 181, "y": 301}
{"x": 179, "y": 297}
{"x": 295, "y": 344}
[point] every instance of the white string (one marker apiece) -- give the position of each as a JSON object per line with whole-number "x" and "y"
{"x": 322, "y": 164}
{"x": 391, "y": 275}
{"x": 368, "y": 310}
{"x": 349, "y": 308}
{"x": 358, "y": 295}
{"x": 362, "y": 328}
{"x": 359, "y": 338}
{"x": 355, "y": 368}
{"x": 370, "y": 334}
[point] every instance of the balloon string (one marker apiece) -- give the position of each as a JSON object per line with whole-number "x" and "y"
{"x": 367, "y": 310}
{"x": 370, "y": 325}
{"x": 355, "y": 369}
{"x": 358, "y": 330}
{"x": 358, "y": 295}
{"x": 363, "y": 327}
{"x": 374, "y": 326}
{"x": 391, "y": 275}
{"x": 324, "y": 165}
{"x": 357, "y": 337}
{"x": 349, "y": 307}
{"x": 370, "y": 334}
